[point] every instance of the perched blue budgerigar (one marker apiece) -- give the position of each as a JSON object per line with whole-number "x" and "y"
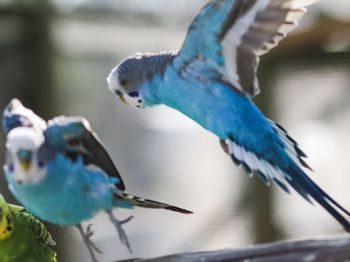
{"x": 212, "y": 80}
{"x": 64, "y": 175}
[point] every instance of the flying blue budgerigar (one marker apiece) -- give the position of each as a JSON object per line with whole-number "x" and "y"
{"x": 212, "y": 80}
{"x": 64, "y": 175}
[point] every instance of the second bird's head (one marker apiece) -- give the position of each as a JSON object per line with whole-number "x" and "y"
{"x": 126, "y": 79}
{"x": 22, "y": 158}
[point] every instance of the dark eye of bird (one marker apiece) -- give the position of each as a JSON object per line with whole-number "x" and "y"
{"x": 123, "y": 82}
{"x": 41, "y": 164}
{"x": 11, "y": 168}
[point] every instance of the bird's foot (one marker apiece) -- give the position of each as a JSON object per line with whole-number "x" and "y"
{"x": 118, "y": 225}
{"x": 89, "y": 233}
{"x": 88, "y": 242}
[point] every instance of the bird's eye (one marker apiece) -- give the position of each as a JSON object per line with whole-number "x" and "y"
{"x": 41, "y": 164}
{"x": 123, "y": 82}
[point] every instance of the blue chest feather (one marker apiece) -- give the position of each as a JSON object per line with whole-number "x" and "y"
{"x": 216, "y": 107}
{"x": 68, "y": 194}
{"x": 210, "y": 103}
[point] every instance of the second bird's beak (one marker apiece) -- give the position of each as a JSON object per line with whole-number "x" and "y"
{"x": 25, "y": 159}
{"x": 120, "y": 95}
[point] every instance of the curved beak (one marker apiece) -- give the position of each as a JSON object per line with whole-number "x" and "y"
{"x": 121, "y": 97}
{"x": 25, "y": 159}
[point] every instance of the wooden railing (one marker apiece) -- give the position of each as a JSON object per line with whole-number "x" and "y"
{"x": 320, "y": 250}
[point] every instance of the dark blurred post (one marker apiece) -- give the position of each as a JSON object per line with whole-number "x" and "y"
{"x": 263, "y": 226}
{"x": 26, "y": 57}
{"x": 300, "y": 49}
{"x": 26, "y": 64}
{"x": 26, "y": 54}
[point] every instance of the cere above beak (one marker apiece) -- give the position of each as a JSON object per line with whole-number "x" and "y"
{"x": 120, "y": 95}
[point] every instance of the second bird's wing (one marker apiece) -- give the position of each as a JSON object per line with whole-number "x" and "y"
{"x": 74, "y": 136}
{"x": 229, "y": 36}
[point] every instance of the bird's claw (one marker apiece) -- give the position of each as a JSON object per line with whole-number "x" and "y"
{"x": 118, "y": 225}
{"x": 88, "y": 242}
{"x": 122, "y": 222}
{"x": 89, "y": 233}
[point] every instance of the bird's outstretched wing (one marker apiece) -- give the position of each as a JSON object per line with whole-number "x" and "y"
{"x": 229, "y": 36}
{"x": 74, "y": 136}
{"x": 16, "y": 115}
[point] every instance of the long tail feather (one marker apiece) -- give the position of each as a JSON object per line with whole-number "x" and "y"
{"x": 292, "y": 175}
{"x": 141, "y": 202}
{"x": 302, "y": 183}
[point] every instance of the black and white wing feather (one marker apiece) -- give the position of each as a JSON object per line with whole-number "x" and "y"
{"x": 231, "y": 35}
{"x": 142, "y": 202}
{"x": 75, "y": 137}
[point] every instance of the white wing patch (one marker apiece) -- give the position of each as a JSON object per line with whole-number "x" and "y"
{"x": 233, "y": 39}
{"x": 262, "y": 168}
{"x": 254, "y": 165}
{"x": 253, "y": 34}
{"x": 291, "y": 146}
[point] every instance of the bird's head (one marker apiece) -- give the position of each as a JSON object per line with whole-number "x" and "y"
{"x": 6, "y": 226}
{"x": 16, "y": 115}
{"x": 126, "y": 79}
{"x": 23, "y": 161}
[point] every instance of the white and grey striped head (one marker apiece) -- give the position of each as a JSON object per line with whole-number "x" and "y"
{"x": 126, "y": 79}
{"x": 22, "y": 159}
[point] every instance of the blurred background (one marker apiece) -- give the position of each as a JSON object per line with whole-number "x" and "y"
{"x": 55, "y": 56}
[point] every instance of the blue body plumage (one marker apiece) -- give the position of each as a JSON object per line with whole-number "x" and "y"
{"x": 68, "y": 194}
{"x": 212, "y": 79}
